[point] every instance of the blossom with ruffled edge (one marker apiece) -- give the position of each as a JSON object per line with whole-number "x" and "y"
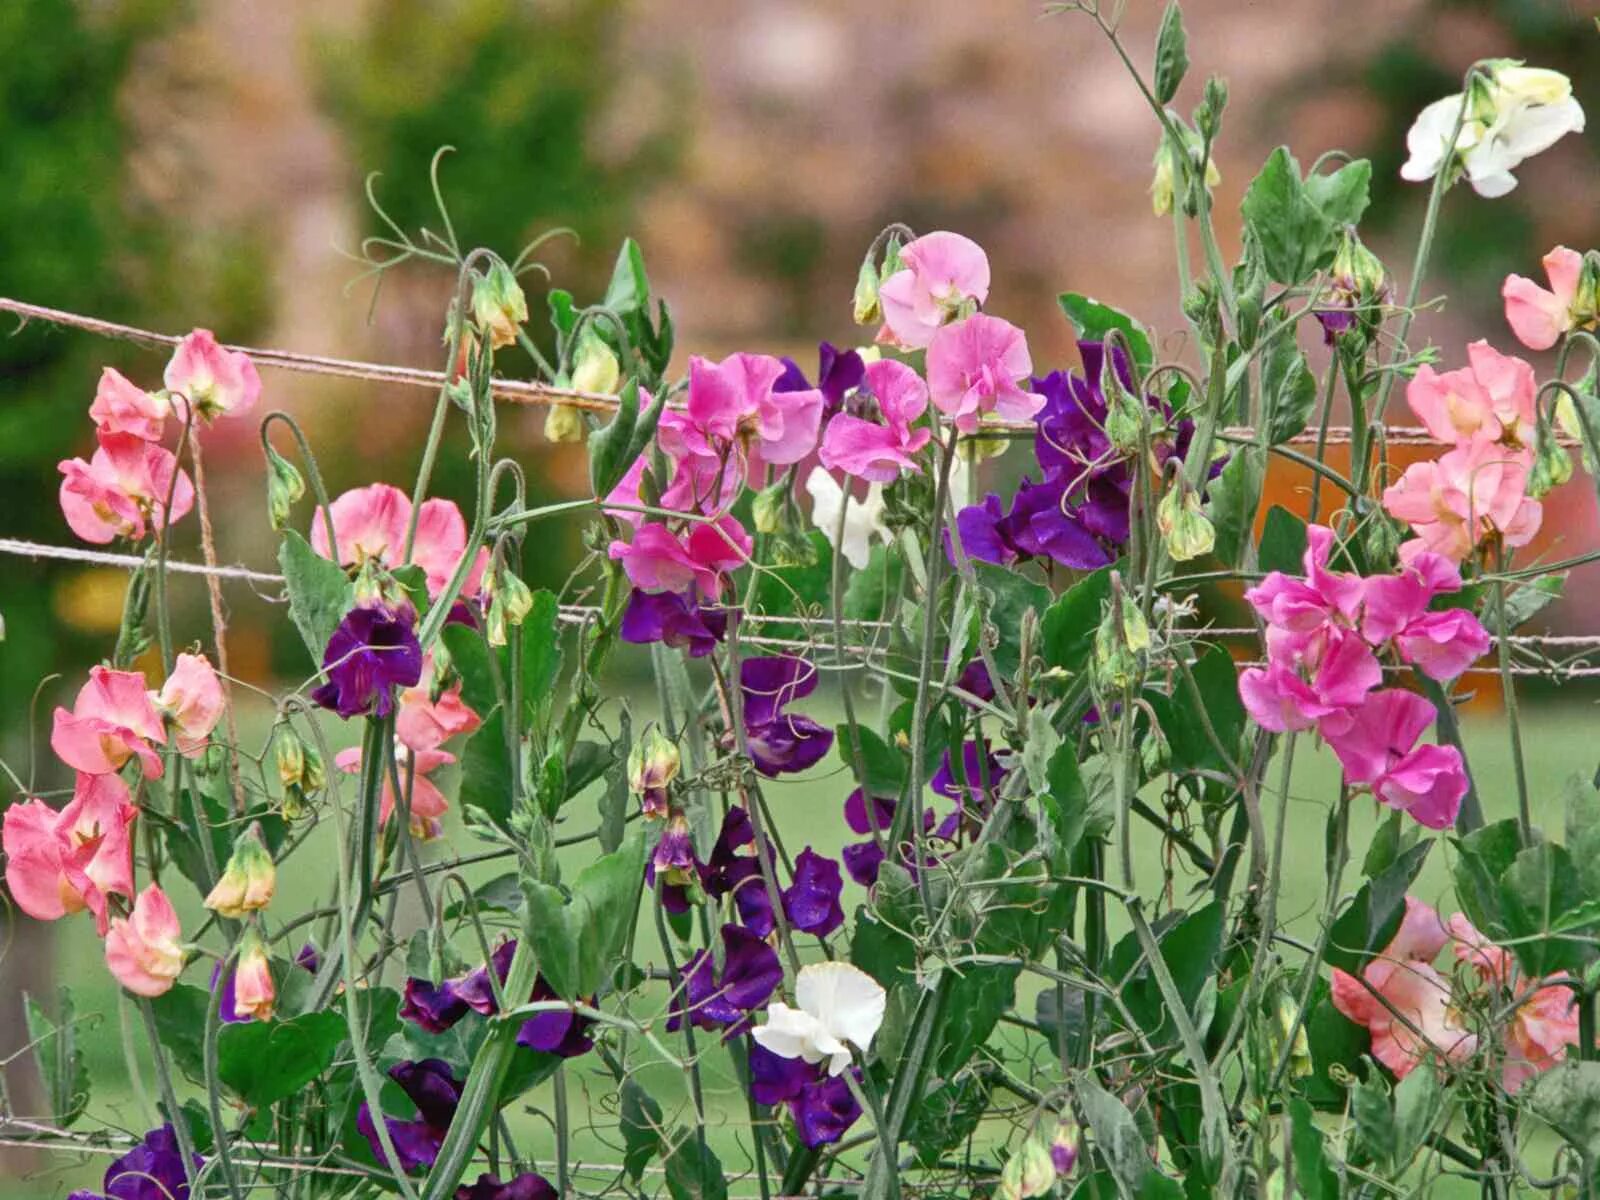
{"x": 780, "y": 742}
{"x": 373, "y": 651}
{"x": 112, "y": 719}
{"x": 838, "y": 372}
{"x": 432, "y": 1087}
{"x": 526, "y": 1186}
{"x": 122, "y": 489}
{"x": 863, "y": 520}
{"x": 725, "y": 999}
{"x": 973, "y": 370}
{"x": 144, "y": 950}
{"x": 675, "y": 619}
{"x": 59, "y": 863}
{"x": 873, "y": 437}
{"x": 839, "y": 1006}
{"x": 942, "y": 274}
{"x": 438, "y": 1007}
{"x": 152, "y": 1170}
{"x": 1539, "y": 316}
{"x": 1378, "y": 748}
{"x": 217, "y": 381}
{"x": 822, "y": 1106}
{"x": 122, "y": 406}
{"x": 371, "y": 522}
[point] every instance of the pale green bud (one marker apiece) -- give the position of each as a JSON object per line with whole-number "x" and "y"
{"x": 498, "y": 305}
{"x": 284, "y": 487}
{"x": 594, "y": 366}
{"x": 866, "y": 309}
{"x": 509, "y": 603}
{"x": 564, "y": 424}
{"x": 249, "y": 879}
{"x": 1028, "y": 1173}
{"x": 1185, "y": 529}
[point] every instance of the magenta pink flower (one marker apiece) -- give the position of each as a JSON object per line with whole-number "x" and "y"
{"x": 59, "y": 863}
{"x": 973, "y": 369}
{"x": 1473, "y": 491}
{"x": 1278, "y": 699}
{"x": 121, "y": 406}
{"x": 1539, "y": 317}
{"x": 217, "y": 382}
{"x": 111, "y": 721}
{"x": 122, "y": 490}
{"x": 1378, "y": 747}
{"x": 1440, "y": 644}
{"x": 371, "y": 522}
{"x": 144, "y": 949}
{"x": 877, "y": 450}
{"x": 1492, "y": 398}
{"x": 1305, "y": 605}
{"x": 658, "y": 560}
{"x": 941, "y": 273}
{"x": 733, "y": 403}
{"x": 1311, "y": 679}
{"x": 190, "y": 702}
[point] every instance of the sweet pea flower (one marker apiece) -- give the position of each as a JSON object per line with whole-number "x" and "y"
{"x": 941, "y": 274}
{"x": 840, "y": 1006}
{"x": 734, "y": 402}
{"x": 526, "y": 1186}
{"x": 428, "y": 803}
{"x": 426, "y": 722}
{"x": 1538, "y": 316}
{"x": 121, "y": 491}
{"x": 111, "y": 721}
{"x": 59, "y": 863}
{"x": 373, "y": 651}
{"x": 1305, "y": 605}
{"x": 216, "y": 381}
{"x": 673, "y": 619}
{"x": 122, "y": 406}
{"x": 674, "y": 866}
{"x": 432, "y": 1087}
{"x": 143, "y": 949}
{"x": 658, "y": 560}
{"x": 822, "y": 1107}
{"x": 1440, "y": 644}
{"x": 371, "y": 523}
{"x": 1404, "y": 976}
{"x": 812, "y": 902}
{"x": 780, "y": 742}
{"x": 875, "y": 450}
{"x": 717, "y": 1000}
{"x": 863, "y": 521}
{"x": 973, "y": 369}
{"x": 838, "y": 373}
{"x": 1492, "y": 398}
{"x": 190, "y": 703}
{"x": 253, "y": 992}
{"x": 152, "y": 1170}
{"x": 1474, "y": 491}
{"x": 1378, "y": 747}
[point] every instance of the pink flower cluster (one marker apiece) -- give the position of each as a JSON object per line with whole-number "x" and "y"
{"x": 1478, "y": 489}
{"x": 371, "y": 522}
{"x": 123, "y": 490}
{"x": 1412, "y": 1010}
{"x": 1324, "y": 635}
{"x": 75, "y": 859}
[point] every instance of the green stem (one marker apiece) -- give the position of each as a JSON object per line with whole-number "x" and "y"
{"x": 169, "y": 1097}
{"x": 1509, "y": 688}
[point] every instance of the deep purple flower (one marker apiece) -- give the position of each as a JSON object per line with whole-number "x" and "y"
{"x": 837, "y": 372}
{"x": 227, "y": 1011}
{"x": 309, "y": 958}
{"x": 736, "y": 874}
{"x": 526, "y": 1186}
{"x": 675, "y": 620}
{"x": 812, "y": 901}
{"x": 982, "y": 775}
{"x": 975, "y": 680}
{"x": 435, "y": 1091}
{"x": 674, "y": 864}
{"x": 437, "y": 1007}
{"x": 373, "y": 651}
{"x": 563, "y": 1033}
{"x": 152, "y": 1170}
{"x": 750, "y": 973}
{"x": 823, "y": 1108}
{"x": 864, "y": 859}
{"x": 775, "y": 1079}
{"x": 780, "y": 742}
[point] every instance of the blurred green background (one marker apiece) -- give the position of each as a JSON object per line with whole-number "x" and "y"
{"x": 173, "y": 163}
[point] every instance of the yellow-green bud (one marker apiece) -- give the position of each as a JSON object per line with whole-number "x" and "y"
{"x": 249, "y": 879}
{"x": 594, "y": 367}
{"x": 769, "y": 507}
{"x": 509, "y": 602}
{"x": 1029, "y": 1172}
{"x": 1552, "y": 465}
{"x": 284, "y": 487}
{"x": 653, "y": 764}
{"x": 498, "y": 305}
{"x": 1168, "y": 175}
{"x": 1185, "y": 529}
{"x": 1300, "y": 1048}
{"x": 564, "y": 424}
{"x": 300, "y": 770}
{"x": 866, "y": 309}
{"x": 1120, "y": 646}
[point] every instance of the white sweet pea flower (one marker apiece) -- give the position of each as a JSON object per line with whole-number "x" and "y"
{"x": 839, "y": 1004}
{"x": 1514, "y": 114}
{"x": 863, "y": 518}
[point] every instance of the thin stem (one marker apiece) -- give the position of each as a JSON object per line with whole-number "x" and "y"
{"x": 1509, "y": 688}
{"x": 169, "y": 1097}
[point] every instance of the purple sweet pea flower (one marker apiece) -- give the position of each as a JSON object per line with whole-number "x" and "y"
{"x": 823, "y": 1108}
{"x": 674, "y": 863}
{"x": 437, "y": 1007}
{"x": 435, "y": 1091}
{"x": 775, "y": 1079}
{"x": 750, "y": 974}
{"x": 837, "y": 372}
{"x": 526, "y": 1186}
{"x": 731, "y": 873}
{"x": 373, "y": 651}
{"x": 812, "y": 901}
{"x": 309, "y": 958}
{"x": 152, "y": 1170}
{"x": 674, "y": 620}
{"x": 564, "y": 1034}
{"x": 981, "y": 770}
{"x": 780, "y": 742}
{"x": 864, "y": 859}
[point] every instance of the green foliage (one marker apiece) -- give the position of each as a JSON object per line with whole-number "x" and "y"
{"x": 320, "y": 593}
{"x": 576, "y": 937}
{"x": 61, "y": 1063}
{"x": 1296, "y": 221}
{"x": 1091, "y": 320}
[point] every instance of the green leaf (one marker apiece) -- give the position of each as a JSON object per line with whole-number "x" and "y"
{"x": 1374, "y": 1117}
{"x": 1525, "y": 602}
{"x": 1418, "y": 1101}
{"x": 693, "y": 1171}
{"x": 1232, "y": 500}
{"x": 1583, "y": 833}
{"x": 882, "y": 951}
{"x": 608, "y": 445}
{"x": 541, "y": 655}
{"x": 1066, "y": 807}
{"x": 1369, "y": 923}
{"x": 264, "y": 1061}
{"x": 181, "y": 1022}
{"x": 1008, "y": 595}
{"x": 1091, "y": 319}
{"x": 947, "y": 1116}
{"x": 578, "y": 938}
{"x": 883, "y": 767}
{"x": 1184, "y": 718}
{"x": 1482, "y": 857}
{"x": 486, "y": 783}
{"x": 640, "y": 1118}
{"x": 1069, "y": 624}
{"x": 870, "y": 593}
{"x": 470, "y": 656}
{"x": 503, "y": 893}
{"x": 61, "y": 1065}
{"x": 1172, "y": 54}
{"x": 1283, "y": 541}
{"x": 614, "y": 800}
{"x": 1567, "y": 1098}
{"x": 1342, "y": 195}
{"x": 1189, "y": 948}
{"x": 1288, "y": 390}
{"x": 1296, "y": 222}
{"x": 1541, "y": 886}
{"x": 1116, "y": 1133}
{"x": 1313, "y": 1176}
{"x": 977, "y": 999}
{"x": 319, "y": 591}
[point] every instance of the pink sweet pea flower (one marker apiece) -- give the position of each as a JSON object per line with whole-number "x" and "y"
{"x": 121, "y": 406}
{"x": 1440, "y": 644}
{"x": 111, "y": 721}
{"x": 1539, "y": 317}
{"x": 253, "y": 993}
{"x": 942, "y": 272}
{"x": 1491, "y": 399}
{"x": 868, "y": 449}
{"x": 973, "y": 369}
{"x": 371, "y": 522}
{"x": 428, "y": 803}
{"x": 143, "y": 949}
{"x": 58, "y": 863}
{"x": 733, "y": 402}
{"x": 1378, "y": 747}
{"x": 216, "y": 381}
{"x": 1472, "y": 491}
{"x": 658, "y": 560}
{"x": 191, "y": 702}
{"x": 1404, "y": 976}
{"x": 1304, "y": 605}
{"x": 121, "y": 488}
{"x": 1278, "y": 699}
{"x": 425, "y": 723}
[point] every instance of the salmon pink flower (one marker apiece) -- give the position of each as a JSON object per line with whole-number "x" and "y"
{"x": 428, "y": 803}
{"x": 1545, "y": 1022}
{"x": 111, "y": 721}
{"x": 371, "y": 523}
{"x": 941, "y": 274}
{"x": 872, "y": 437}
{"x": 191, "y": 703}
{"x": 122, "y": 406}
{"x": 1474, "y": 491}
{"x": 1378, "y": 747}
{"x": 253, "y": 992}
{"x": 59, "y": 863}
{"x": 973, "y": 369}
{"x": 425, "y": 722}
{"x": 143, "y": 949}
{"x": 121, "y": 491}
{"x": 1539, "y": 317}
{"x": 218, "y": 382}
{"x": 1491, "y": 398}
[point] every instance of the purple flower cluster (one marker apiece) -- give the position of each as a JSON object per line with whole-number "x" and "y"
{"x": 837, "y": 373}
{"x": 822, "y": 1107}
{"x": 437, "y": 1007}
{"x": 433, "y": 1088}
{"x": 373, "y": 651}
{"x": 674, "y": 619}
{"x": 152, "y": 1170}
{"x": 710, "y": 999}
{"x": 780, "y": 742}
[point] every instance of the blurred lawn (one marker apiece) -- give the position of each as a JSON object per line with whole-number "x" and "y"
{"x": 808, "y": 812}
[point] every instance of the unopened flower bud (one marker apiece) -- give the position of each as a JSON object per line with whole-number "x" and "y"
{"x": 1125, "y": 416}
{"x": 498, "y": 305}
{"x": 673, "y": 862}
{"x": 1029, "y": 1172}
{"x": 1172, "y": 173}
{"x": 866, "y": 310}
{"x": 652, "y": 765}
{"x": 1184, "y": 527}
{"x": 249, "y": 879}
{"x": 1300, "y": 1047}
{"x": 299, "y": 770}
{"x": 1552, "y": 465}
{"x": 563, "y": 424}
{"x": 1120, "y": 645}
{"x": 1064, "y": 1147}
{"x": 509, "y": 602}
{"x": 770, "y": 507}
{"x": 284, "y": 487}
{"x": 253, "y": 993}
{"x": 594, "y": 367}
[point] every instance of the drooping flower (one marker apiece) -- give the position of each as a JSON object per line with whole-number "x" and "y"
{"x": 216, "y": 381}
{"x": 863, "y": 521}
{"x": 673, "y": 619}
{"x": 152, "y": 1170}
{"x": 122, "y": 406}
{"x": 840, "y": 1006}
{"x": 1491, "y": 398}
{"x": 653, "y": 764}
{"x": 1165, "y": 179}
{"x": 143, "y": 949}
{"x": 59, "y": 863}
{"x": 942, "y": 274}
{"x": 433, "y": 1088}
{"x": 822, "y": 1107}
{"x": 426, "y": 721}
{"x": 674, "y": 867}
{"x": 780, "y": 742}
{"x": 371, "y": 522}
{"x": 713, "y": 999}
{"x": 872, "y": 437}
{"x": 121, "y": 491}
{"x": 526, "y": 1186}
{"x": 1440, "y": 644}
{"x": 428, "y": 803}
{"x": 1477, "y": 490}
{"x": 248, "y": 880}
{"x": 111, "y": 720}
{"x": 191, "y": 703}
{"x": 1378, "y": 747}
{"x": 973, "y": 370}
{"x": 251, "y": 980}
{"x": 1538, "y": 316}
{"x": 373, "y": 651}
{"x": 811, "y": 902}
{"x": 1545, "y": 1021}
